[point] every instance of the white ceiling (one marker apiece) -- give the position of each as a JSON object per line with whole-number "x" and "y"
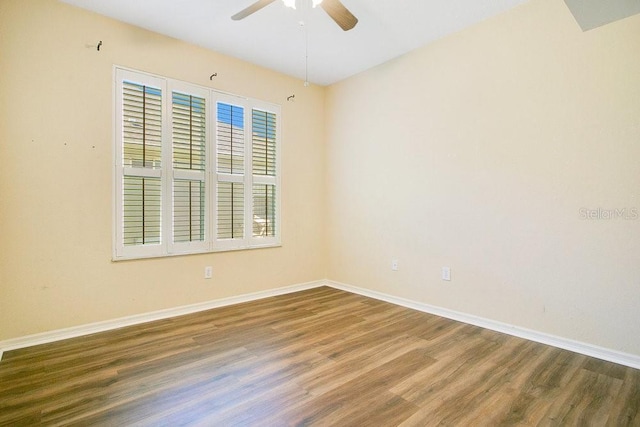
{"x": 274, "y": 38}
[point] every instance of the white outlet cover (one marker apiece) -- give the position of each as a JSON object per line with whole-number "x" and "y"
{"x": 394, "y": 265}
{"x": 446, "y": 273}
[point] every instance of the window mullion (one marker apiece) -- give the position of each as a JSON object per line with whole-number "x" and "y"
{"x": 210, "y": 170}
{"x": 167, "y": 169}
{"x": 248, "y": 178}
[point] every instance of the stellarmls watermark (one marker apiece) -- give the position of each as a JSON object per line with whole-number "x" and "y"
{"x": 600, "y": 214}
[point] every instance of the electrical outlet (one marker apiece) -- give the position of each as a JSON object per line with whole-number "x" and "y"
{"x": 446, "y": 273}
{"x": 208, "y": 272}
{"x": 394, "y": 264}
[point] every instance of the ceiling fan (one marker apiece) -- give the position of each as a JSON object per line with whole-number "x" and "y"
{"x": 334, "y": 8}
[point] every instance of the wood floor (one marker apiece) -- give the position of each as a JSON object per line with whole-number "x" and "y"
{"x": 318, "y": 357}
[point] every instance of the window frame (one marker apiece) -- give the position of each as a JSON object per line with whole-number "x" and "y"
{"x": 168, "y": 174}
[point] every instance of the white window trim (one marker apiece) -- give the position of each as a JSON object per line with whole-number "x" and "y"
{"x": 167, "y": 173}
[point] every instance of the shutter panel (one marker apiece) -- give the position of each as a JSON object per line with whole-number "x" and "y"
{"x": 263, "y": 150}
{"x": 230, "y": 167}
{"x": 188, "y": 125}
{"x": 142, "y": 159}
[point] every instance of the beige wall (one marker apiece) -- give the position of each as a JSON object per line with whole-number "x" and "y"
{"x": 56, "y": 174}
{"x": 477, "y": 152}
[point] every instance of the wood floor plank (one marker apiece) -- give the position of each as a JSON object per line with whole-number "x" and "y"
{"x": 335, "y": 404}
{"x": 626, "y": 408}
{"x": 528, "y": 401}
{"x": 318, "y": 357}
{"x": 323, "y": 380}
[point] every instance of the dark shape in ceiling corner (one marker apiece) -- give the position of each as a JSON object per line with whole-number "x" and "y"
{"x": 591, "y": 14}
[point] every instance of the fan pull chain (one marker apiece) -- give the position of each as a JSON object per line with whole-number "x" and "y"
{"x": 306, "y": 54}
{"x": 306, "y": 59}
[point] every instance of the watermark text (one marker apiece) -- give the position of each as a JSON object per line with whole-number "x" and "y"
{"x": 600, "y": 214}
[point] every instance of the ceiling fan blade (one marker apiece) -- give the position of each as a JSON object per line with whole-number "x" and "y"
{"x": 251, "y": 9}
{"x": 339, "y": 13}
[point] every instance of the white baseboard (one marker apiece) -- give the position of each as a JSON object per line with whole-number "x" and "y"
{"x": 92, "y": 328}
{"x": 614, "y": 356}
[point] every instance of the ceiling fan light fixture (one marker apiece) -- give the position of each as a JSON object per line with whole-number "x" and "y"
{"x": 334, "y": 8}
{"x": 291, "y": 3}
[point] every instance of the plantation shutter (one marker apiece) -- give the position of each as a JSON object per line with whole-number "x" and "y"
{"x": 188, "y": 125}
{"x": 142, "y": 161}
{"x": 264, "y": 172}
{"x": 195, "y": 170}
{"x": 230, "y": 171}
